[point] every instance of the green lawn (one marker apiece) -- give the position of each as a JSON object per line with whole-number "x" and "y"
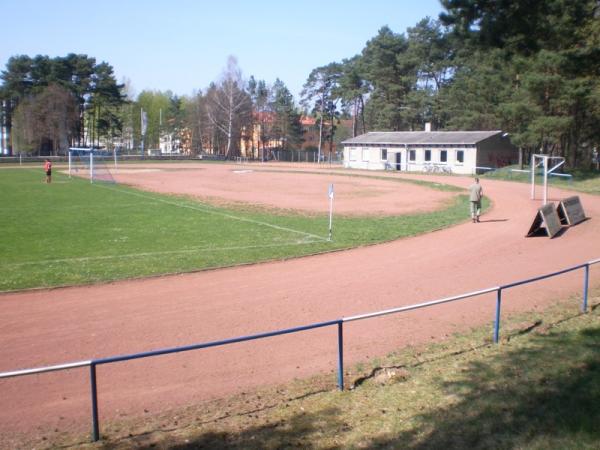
{"x": 73, "y": 232}
{"x": 582, "y": 181}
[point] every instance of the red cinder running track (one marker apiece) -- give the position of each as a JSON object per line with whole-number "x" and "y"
{"x": 55, "y": 326}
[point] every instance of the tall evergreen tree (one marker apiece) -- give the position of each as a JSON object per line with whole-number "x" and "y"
{"x": 320, "y": 92}
{"x": 548, "y": 79}
{"x": 91, "y": 84}
{"x": 286, "y": 127}
{"x": 352, "y": 91}
{"x": 390, "y": 77}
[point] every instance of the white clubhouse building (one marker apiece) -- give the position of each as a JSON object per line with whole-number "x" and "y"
{"x": 461, "y": 152}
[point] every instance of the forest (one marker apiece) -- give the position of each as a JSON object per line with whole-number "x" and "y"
{"x": 530, "y": 68}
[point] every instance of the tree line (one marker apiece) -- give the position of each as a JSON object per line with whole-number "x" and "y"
{"x": 526, "y": 67}
{"x": 530, "y": 68}
{"x": 50, "y": 104}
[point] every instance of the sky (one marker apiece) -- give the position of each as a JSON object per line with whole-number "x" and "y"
{"x": 183, "y": 45}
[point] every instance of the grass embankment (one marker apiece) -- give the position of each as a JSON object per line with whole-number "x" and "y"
{"x": 73, "y": 232}
{"x": 582, "y": 181}
{"x": 538, "y": 389}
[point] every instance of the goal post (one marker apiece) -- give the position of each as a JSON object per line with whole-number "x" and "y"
{"x": 92, "y": 163}
{"x": 548, "y": 164}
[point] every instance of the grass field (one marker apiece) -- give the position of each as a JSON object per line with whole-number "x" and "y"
{"x": 73, "y": 232}
{"x": 582, "y": 181}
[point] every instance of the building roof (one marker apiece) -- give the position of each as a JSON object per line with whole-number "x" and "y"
{"x": 264, "y": 116}
{"x": 308, "y": 121}
{"x": 421, "y": 137}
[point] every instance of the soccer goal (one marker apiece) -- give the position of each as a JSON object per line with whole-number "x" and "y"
{"x": 548, "y": 164}
{"x": 92, "y": 163}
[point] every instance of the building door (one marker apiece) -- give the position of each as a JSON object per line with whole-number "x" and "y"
{"x": 398, "y": 161}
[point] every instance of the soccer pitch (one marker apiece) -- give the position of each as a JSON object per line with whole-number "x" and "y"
{"x": 72, "y": 232}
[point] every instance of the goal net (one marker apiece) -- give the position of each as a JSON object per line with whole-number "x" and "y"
{"x": 97, "y": 165}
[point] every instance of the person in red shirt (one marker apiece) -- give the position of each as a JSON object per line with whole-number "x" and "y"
{"x": 48, "y": 169}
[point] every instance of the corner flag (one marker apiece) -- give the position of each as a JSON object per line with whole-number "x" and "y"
{"x": 331, "y": 195}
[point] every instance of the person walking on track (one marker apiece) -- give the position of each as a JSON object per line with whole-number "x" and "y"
{"x": 475, "y": 194}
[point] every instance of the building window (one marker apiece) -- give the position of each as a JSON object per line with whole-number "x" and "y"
{"x": 460, "y": 156}
{"x": 427, "y": 155}
{"x": 412, "y": 155}
{"x": 365, "y": 154}
{"x": 353, "y": 154}
{"x": 384, "y": 154}
{"x": 443, "y": 156}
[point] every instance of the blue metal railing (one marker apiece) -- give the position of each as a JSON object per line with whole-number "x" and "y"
{"x": 92, "y": 364}
{"x": 568, "y": 176}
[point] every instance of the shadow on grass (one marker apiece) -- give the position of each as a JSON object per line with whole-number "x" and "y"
{"x": 545, "y": 395}
{"x": 583, "y": 175}
{"x": 296, "y": 432}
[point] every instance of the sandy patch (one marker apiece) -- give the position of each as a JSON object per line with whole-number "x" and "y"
{"x": 298, "y": 191}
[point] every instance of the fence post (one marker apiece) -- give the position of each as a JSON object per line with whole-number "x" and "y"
{"x": 94, "y": 392}
{"x": 586, "y": 279}
{"x": 340, "y": 355}
{"x": 497, "y": 322}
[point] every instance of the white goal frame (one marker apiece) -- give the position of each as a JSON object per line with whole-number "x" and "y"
{"x": 544, "y": 161}
{"x": 91, "y": 157}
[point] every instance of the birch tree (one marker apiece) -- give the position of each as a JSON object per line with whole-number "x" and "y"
{"x": 286, "y": 127}
{"x": 229, "y": 106}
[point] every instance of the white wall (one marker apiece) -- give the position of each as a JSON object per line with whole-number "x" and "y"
{"x": 168, "y": 145}
{"x": 370, "y": 158}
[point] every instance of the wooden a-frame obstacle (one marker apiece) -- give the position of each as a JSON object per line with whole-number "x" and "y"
{"x": 546, "y": 221}
{"x": 570, "y": 211}
{"x": 550, "y": 220}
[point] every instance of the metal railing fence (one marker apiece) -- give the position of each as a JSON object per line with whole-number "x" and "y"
{"x": 568, "y": 176}
{"x": 92, "y": 364}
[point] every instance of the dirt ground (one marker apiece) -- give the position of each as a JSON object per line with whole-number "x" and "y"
{"x": 270, "y": 186}
{"x": 56, "y": 326}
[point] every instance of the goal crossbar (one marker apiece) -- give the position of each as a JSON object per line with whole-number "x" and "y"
{"x": 544, "y": 161}
{"x": 92, "y": 161}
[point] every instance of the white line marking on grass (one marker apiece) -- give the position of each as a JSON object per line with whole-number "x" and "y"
{"x": 229, "y": 216}
{"x": 161, "y": 253}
